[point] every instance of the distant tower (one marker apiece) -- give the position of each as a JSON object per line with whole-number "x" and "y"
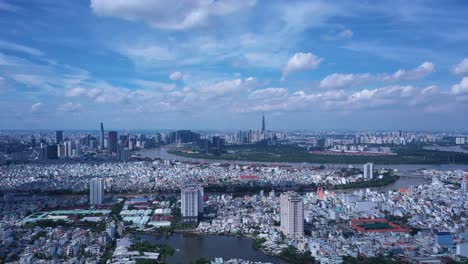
{"x": 369, "y": 170}
{"x": 263, "y": 123}
{"x": 292, "y": 214}
{"x": 96, "y": 191}
{"x": 102, "y": 136}
{"x": 58, "y": 136}
{"x": 112, "y": 142}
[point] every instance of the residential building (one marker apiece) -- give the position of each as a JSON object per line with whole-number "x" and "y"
{"x": 191, "y": 202}
{"x": 96, "y": 191}
{"x": 369, "y": 170}
{"x": 292, "y": 214}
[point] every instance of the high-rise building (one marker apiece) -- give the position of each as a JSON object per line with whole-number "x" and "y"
{"x": 369, "y": 170}
{"x": 43, "y": 153}
{"x": 191, "y": 201}
{"x": 68, "y": 148}
{"x": 58, "y": 136}
{"x": 52, "y": 152}
{"x": 60, "y": 151}
{"x": 263, "y": 123}
{"x": 464, "y": 184}
{"x": 292, "y": 214}
{"x": 96, "y": 191}
{"x": 183, "y": 136}
{"x": 102, "y": 136}
{"x": 112, "y": 142}
{"x": 218, "y": 145}
{"x": 123, "y": 154}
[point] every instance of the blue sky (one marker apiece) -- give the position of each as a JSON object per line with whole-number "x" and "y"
{"x": 207, "y": 64}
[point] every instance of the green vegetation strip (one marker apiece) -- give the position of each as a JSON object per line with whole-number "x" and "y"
{"x": 413, "y": 154}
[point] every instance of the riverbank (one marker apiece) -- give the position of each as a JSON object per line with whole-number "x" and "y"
{"x": 162, "y": 153}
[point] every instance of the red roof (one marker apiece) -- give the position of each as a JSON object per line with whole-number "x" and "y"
{"x": 248, "y": 177}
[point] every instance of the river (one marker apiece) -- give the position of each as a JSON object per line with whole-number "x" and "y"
{"x": 190, "y": 247}
{"x": 162, "y": 153}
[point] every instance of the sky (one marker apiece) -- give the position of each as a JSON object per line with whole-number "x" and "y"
{"x": 221, "y": 64}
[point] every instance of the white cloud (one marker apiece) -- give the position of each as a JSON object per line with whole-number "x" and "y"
{"x": 342, "y": 34}
{"x": 229, "y": 86}
{"x": 37, "y": 107}
{"x": 77, "y": 91}
{"x": 173, "y": 15}
{"x": 20, "y": 48}
{"x": 175, "y": 76}
{"x": 301, "y": 61}
{"x": 268, "y": 93}
{"x": 345, "y": 34}
{"x": 31, "y": 80}
{"x": 70, "y": 107}
{"x": 341, "y": 81}
{"x": 397, "y": 96}
{"x": 419, "y": 72}
{"x": 301, "y": 15}
{"x": 461, "y": 68}
{"x": 149, "y": 54}
{"x": 155, "y": 85}
{"x": 461, "y": 87}
{"x": 8, "y": 7}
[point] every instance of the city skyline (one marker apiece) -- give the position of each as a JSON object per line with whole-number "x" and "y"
{"x": 220, "y": 65}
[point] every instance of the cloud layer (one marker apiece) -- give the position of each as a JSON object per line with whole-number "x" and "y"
{"x": 204, "y": 63}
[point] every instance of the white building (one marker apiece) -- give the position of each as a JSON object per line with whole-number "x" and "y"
{"x": 60, "y": 151}
{"x": 292, "y": 214}
{"x": 96, "y": 191}
{"x": 462, "y": 249}
{"x": 191, "y": 202}
{"x": 464, "y": 184}
{"x": 67, "y": 149}
{"x": 369, "y": 170}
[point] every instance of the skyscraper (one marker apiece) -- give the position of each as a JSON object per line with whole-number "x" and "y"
{"x": 67, "y": 149}
{"x": 263, "y": 123}
{"x": 60, "y": 151}
{"x": 52, "y": 152}
{"x": 96, "y": 191}
{"x": 292, "y": 214}
{"x": 123, "y": 154}
{"x": 191, "y": 201}
{"x": 58, "y": 136}
{"x": 112, "y": 142}
{"x": 43, "y": 153}
{"x": 102, "y": 136}
{"x": 369, "y": 170}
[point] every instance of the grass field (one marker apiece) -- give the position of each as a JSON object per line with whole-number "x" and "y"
{"x": 289, "y": 153}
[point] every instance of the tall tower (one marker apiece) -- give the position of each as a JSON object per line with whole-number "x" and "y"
{"x": 102, "y": 136}
{"x": 292, "y": 214}
{"x": 96, "y": 191}
{"x": 263, "y": 123}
